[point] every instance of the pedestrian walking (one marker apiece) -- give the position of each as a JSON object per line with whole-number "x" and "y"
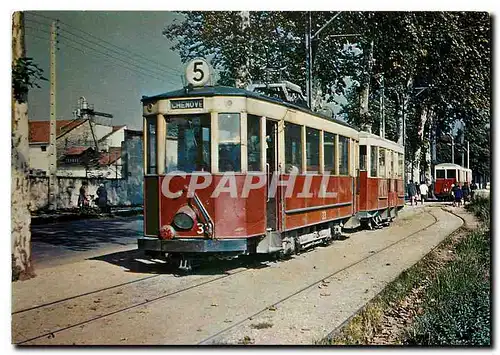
{"x": 466, "y": 192}
{"x": 82, "y": 197}
{"x": 424, "y": 191}
{"x": 412, "y": 191}
{"x": 457, "y": 195}
{"x": 417, "y": 195}
{"x": 102, "y": 198}
{"x": 473, "y": 188}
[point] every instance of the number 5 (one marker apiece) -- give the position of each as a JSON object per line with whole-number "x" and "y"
{"x": 198, "y": 70}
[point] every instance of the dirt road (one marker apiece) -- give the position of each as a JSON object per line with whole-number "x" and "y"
{"x": 113, "y": 300}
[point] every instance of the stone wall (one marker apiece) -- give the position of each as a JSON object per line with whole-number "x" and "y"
{"x": 39, "y": 192}
{"x": 127, "y": 191}
{"x": 69, "y": 189}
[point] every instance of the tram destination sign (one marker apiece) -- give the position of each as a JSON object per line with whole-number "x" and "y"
{"x": 186, "y": 104}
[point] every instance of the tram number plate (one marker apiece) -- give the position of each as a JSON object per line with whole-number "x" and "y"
{"x": 323, "y": 215}
{"x": 186, "y": 104}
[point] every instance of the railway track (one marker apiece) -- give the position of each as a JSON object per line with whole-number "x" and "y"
{"x": 58, "y": 303}
{"x": 313, "y": 284}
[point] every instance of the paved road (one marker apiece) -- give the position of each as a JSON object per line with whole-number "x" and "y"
{"x": 61, "y": 242}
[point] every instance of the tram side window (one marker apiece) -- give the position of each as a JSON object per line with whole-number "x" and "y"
{"x": 293, "y": 148}
{"x": 390, "y": 164}
{"x": 400, "y": 164}
{"x": 253, "y": 143}
{"x": 373, "y": 161}
{"x": 451, "y": 174}
{"x": 362, "y": 157}
{"x": 312, "y": 150}
{"x": 329, "y": 152}
{"x": 344, "y": 155}
{"x": 440, "y": 174}
{"x": 187, "y": 146}
{"x": 151, "y": 153}
{"x": 381, "y": 162}
{"x": 229, "y": 142}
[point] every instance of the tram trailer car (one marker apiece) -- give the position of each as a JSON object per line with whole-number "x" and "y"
{"x": 208, "y": 132}
{"x": 380, "y": 179}
{"x": 448, "y": 174}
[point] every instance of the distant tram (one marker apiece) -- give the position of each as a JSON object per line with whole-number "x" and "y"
{"x": 447, "y": 175}
{"x": 231, "y": 171}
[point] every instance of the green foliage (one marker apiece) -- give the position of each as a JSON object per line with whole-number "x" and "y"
{"x": 481, "y": 208}
{"x": 457, "y": 306}
{"x": 25, "y": 75}
{"x": 447, "y": 52}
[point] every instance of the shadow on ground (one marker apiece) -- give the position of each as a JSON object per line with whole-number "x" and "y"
{"x": 85, "y": 235}
{"x": 136, "y": 262}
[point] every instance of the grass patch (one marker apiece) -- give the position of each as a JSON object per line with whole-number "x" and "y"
{"x": 457, "y": 308}
{"x": 454, "y": 289}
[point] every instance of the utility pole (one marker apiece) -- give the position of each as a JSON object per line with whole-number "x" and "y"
{"x": 52, "y": 154}
{"x": 452, "y": 149}
{"x": 309, "y": 55}
{"x": 382, "y": 108}
{"x": 468, "y": 153}
{"x": 309, "y": 61}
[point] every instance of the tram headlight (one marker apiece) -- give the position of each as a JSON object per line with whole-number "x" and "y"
{"x": 183, "y": 221}
{"x": 184, "y": 218}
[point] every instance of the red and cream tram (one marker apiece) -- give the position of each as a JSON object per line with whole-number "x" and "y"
{"x": 448, "y": 174}
{"x": 230, "y": 171}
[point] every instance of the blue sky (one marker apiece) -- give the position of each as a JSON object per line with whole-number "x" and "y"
{"x": 111, "y": 85}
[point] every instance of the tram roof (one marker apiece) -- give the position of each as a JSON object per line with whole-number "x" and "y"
{"x": 450, "y": 166}
{"x": 208, "y": 91}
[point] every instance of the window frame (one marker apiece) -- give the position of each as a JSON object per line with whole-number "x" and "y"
{"x": 148, "y": 121}
{"x": 333, "y": 144}
{"x": 240, "y": 170}
{"x": 374, "y": 173}
{"x": 300, "y": 149}
{"x": 258, "y": 119}
{"x": 347, "y": 142}
{"x": 317, "y": 171}
{"x": 382, "y": 172}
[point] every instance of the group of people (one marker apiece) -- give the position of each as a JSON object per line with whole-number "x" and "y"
{"x": 460, "y": 193}
{"x": 101, "y": 201}
{"x": 417, "y": 192}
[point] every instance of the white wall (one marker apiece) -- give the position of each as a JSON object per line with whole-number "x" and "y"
{"x": 38, "y": 159}
{"x": 116, "y": 139}
{"x": 100, "y": 131}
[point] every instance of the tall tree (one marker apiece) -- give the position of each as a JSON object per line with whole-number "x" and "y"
{"x": 21, "y": 219}
{"x": 25, "y": 75}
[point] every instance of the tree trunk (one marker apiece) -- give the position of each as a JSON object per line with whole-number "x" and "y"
{"x": 364, "y": 114}
{"x": 20, "y": 215}
{"x": 403, "y": 101}
{"x": 430, "y": 146}
{"x": 424, "y": 115}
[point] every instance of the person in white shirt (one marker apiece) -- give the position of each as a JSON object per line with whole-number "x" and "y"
{"x": 424, "y": 190}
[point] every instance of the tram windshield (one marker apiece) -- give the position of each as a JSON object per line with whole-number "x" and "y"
{"x": 187, "y": 145}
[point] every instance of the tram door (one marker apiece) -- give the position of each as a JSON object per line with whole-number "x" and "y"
{"x": 271, "y": 167}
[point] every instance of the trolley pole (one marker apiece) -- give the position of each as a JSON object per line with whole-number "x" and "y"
{"x": 52, "y": 153}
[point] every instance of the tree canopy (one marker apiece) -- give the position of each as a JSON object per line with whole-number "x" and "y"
{"x": 436, "y": 65}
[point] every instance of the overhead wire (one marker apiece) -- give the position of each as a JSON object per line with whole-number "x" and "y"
{"x": 138, "y": 69}
{"x": 129, "y": 52}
